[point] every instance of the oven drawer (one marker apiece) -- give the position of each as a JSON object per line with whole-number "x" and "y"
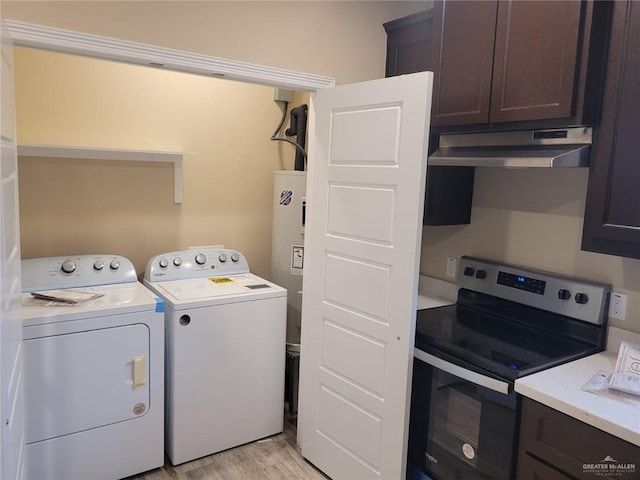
{"x": 570, "y": 446}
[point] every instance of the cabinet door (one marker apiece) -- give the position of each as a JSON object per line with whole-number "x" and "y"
{"x": 534, "y": 70}
{"x": 463, "y": 40}
{"x": 567, "y": 444}
{"x": 409, "y": 44}
{"x": 531, "y": 469}
{"x": 612, "y": 214}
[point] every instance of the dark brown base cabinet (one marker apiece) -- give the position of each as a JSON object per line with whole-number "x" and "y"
{"x": 612, "y": 212}
{"x": 555, "y": 446}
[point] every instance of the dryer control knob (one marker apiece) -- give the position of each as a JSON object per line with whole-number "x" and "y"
{"x": 235, "y": 257}
{"x": 177, "y": 261}
{"x": 68, "y": 266}
{"x": 201, "y": 259}
{"x": 222, "y": 258}
{"x": 115, "y": 264}
{"x": 98, "y": 265}
{"x": 164, "y": 263}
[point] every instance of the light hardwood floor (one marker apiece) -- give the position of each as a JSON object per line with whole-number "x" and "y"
{"x": 274, "y": 458}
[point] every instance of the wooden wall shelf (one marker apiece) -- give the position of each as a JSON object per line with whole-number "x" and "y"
{"x": 92, "y": 153}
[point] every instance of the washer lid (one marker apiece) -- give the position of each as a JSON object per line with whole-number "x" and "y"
{"x": 116, "y": 300}
{"x": 216, "y": 290}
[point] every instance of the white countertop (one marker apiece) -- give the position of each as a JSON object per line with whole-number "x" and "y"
{"x": 561, "y": 389}
{"x": 433, "y": 292}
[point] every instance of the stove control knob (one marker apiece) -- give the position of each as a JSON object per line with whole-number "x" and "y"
{"x": 201, "y": 258}
{"x": 98, "y": 265}
{"x": 115, "y": 264}
{"x": 177, "y": 261}
{"x": 68, "y": 266}
{"x": 235, "y": 257}
{"x": 222, "y": 258}
{"x": 163, "y": 263}
{"x": 481, "y": 274}
{"x": 469, "y": 271}
{"x": 564, "y": 294}
{"x": 582, "y": 298}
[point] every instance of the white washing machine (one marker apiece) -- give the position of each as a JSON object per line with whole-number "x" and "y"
{"x": 225, "y": 351}
{"x": 93, "y": 371}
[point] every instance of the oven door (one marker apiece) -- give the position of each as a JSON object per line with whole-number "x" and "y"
{"x": 463, "y": 423}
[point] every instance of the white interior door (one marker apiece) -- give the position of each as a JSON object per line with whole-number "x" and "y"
{"x": 11, "y": 371}
{"x": 365, "y": 197}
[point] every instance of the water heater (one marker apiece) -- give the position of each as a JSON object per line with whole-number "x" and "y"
{"x": 287, "y": 247}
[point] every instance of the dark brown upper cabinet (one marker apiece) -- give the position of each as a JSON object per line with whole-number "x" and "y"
{"x": 497, "y": 62}
{"x": 409, "y": 44}
{"x": 464, "y": 33}
{"x": 449, "y": 190}
{"x": 612, "y": 212}
{"x": 536, "y": 53}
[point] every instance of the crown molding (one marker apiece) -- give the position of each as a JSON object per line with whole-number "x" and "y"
{"x": 107, "y": 48}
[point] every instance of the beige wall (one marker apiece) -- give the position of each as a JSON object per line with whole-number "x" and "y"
{"x": 77, "y": 206}
{"x": 532, "y": 217}
{"x": 80, "y": 206}
{"x": 344, "y": 39}
{"x": 524, "y": 217}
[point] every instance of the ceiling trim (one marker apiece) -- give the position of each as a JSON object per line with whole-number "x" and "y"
{"x": 107, "y": 48}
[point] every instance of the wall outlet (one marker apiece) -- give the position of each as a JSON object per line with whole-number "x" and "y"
{"x": 618, "y": 306}
{"x": 452, "y": 266}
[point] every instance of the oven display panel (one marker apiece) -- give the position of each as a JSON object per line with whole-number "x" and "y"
{"x": 521, "y": 283}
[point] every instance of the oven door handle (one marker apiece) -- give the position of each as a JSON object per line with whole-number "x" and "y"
{"x": 473, "y": 377}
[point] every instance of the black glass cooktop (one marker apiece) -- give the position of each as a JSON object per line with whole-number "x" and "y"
{"x": 497, "y": 345}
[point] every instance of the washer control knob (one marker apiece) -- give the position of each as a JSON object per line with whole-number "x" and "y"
{"x": 68, "y": 266}
{"x": 222, "y": 258}
{"x": 481, "y": 274}
{"x": 235, "y": 257}
{"x": 582, "y": 298}
{"x": 201, "y": 258}
{"x": 468, "y": 271}
{"x": 98, "y": 265}
{"x": 115, "y": 264}
{"x": 564, "y": 294}
{"x": 177, "y": 261}
{"x": 163, "y": 263}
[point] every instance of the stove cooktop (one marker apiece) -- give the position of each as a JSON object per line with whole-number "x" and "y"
{"x": 512, "y": 321}
{"x": 498, "y": 346}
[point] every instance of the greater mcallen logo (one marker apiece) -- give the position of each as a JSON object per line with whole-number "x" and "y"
{"x": 610, "y": 467}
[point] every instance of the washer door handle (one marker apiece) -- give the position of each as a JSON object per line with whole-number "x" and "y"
{"x": 139, "y": 371}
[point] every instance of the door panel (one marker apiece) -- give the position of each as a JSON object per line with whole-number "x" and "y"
{"x": 612, "y": 218}
{"x": 464, "y": 33}
{"x": 534, "y": 71}
{"x": 11, "y": 370}
{"x": 368, "y": 150}
{"x": 84, "y": 380}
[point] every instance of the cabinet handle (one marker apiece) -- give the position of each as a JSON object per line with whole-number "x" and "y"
{"x": 139, "y": 371}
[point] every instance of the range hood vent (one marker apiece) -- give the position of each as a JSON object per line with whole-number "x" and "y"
{"x": 557, "y": 148}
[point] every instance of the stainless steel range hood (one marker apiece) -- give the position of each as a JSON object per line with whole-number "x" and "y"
{"x": 554, "y": 148}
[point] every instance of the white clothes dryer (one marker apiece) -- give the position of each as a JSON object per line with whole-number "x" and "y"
{"x": 93, "y": 371}
{"x": 225, "y": 351}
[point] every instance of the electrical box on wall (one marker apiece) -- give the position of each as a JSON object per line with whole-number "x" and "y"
{"x": 282, "y": 95}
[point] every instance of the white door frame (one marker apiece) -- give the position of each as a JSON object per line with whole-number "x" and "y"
{"x": 96, "y": 46}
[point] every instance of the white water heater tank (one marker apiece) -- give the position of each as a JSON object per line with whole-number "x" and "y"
{"x": 287, "y": 247}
